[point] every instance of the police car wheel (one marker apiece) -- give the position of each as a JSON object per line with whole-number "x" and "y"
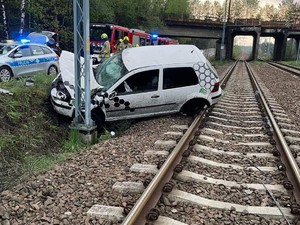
{"x": 52, "y": 70}
{"x": 5, "y": 74}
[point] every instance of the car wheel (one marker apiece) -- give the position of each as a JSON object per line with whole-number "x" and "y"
{"x": 52, "y": 70}
{"x": 98, "y": 117}
{"x": 192, "y": 107}
{"x": 5, "y": 74}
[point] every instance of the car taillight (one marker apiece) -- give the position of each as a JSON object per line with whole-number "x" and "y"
{"x": 216, "y": 87}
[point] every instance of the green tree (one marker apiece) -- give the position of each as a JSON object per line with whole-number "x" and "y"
{"x": 269, "y": 12}
{"x": 237, "y": 9}
{"x": 177, "y": 9}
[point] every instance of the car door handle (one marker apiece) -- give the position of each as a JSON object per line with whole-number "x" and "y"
{"x": 155, "y": 96}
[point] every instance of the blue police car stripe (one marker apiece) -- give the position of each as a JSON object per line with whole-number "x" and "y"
{"x": 28, "y": 62}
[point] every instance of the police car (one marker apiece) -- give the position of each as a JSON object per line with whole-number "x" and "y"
{"x": 142, "y": 82}
{"x": 18, "y": 59}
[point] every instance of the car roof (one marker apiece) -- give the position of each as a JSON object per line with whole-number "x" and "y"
{"x": 146, "y": 56}
{"x": 18, "y": 43}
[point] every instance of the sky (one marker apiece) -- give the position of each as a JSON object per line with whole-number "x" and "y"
{"x": 270, "y": 2}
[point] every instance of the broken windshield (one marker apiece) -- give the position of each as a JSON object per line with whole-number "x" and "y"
{"x": 110, "y": 71}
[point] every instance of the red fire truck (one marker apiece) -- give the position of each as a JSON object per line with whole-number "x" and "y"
{"x": 115, "y": 32}
{"x": 139, "y": 37}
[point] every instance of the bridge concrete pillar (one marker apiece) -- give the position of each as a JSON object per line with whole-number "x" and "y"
{"x": 255, "y": 48}
{"x": 297, "y": 47}
{"x": 280, "y": 46}
{"x": 229, "y": 37}
{"x": 218, "y": 50}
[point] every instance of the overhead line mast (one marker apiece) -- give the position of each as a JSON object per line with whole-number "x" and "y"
{"x": 83, "y": 123}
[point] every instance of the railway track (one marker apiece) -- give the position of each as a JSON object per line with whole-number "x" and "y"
{"x": 290, "y": 69}
{"x": 232, "y": 165}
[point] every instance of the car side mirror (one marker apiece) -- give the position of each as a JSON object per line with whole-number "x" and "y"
{"x": 18, "y": 55}
{"x": 112, "y": 95}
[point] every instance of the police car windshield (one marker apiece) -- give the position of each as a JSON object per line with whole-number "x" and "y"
{"x": 4, "y": 49}
{"x": 110, "y": 71}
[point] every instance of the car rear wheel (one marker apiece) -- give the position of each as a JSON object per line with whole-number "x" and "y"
{"x": 5, "y": 74}
{"x": 193, "y": 107}
{"x": 52, "y": 70}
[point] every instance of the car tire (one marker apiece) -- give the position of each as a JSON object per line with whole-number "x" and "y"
{"x": 5, "y": 74}
{"x": 99, "y": 119}
{"x": 52, "y": 70}
{"x": 192, "y": 107}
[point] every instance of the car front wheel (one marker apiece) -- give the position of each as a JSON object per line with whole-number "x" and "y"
{"x": 5, "y": 74}
{"x": 52, "y": 70}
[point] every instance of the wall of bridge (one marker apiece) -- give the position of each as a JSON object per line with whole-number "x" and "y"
{"x": 190, "y": 28}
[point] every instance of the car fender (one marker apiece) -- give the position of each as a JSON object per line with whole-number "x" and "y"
{"x": 7, "y": 65}
{"x": 205, "y": 95}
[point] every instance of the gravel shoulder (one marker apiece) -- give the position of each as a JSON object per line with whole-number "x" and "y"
{"x": 284, "y": 87}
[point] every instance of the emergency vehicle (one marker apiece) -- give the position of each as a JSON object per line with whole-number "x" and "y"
{"x": 48, "y": 38}
{"x": 139, "y": 37}
{"x": 24, "y": 58}
{"x": 115, "y": 32}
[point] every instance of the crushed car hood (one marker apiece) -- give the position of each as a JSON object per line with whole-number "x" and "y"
{"x": 66, "y": 61}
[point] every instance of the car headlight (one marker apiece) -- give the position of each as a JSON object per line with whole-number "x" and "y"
{"x": 62, "y": 92}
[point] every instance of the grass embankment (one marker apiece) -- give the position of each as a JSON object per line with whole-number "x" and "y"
{"x": 292, "y": 63}
{"x": 32, "y": 136}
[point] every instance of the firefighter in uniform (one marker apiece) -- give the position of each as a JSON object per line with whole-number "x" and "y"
{"x": 126, "y": 43}
{"x": 119, "y": 45}
{"x": 105, "y": 51}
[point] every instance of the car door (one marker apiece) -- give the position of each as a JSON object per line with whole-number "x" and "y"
{"x": 22, "y": 61}
{"x": 39, "y": 59}
{"x": 178, "y": 85}
{"x": 137, "y": 95}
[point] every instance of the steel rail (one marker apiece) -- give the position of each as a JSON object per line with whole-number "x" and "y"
{"x": 291, "y": 163}
{"x": 151, "y": 195}
{"x": 287, "y": 68}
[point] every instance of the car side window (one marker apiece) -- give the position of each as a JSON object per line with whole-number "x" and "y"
{"x": 25, "y": 50}
{"x": 179, "y": 77}
{"x": 47, "y": 50}
{"x": 140, "y": 82}
{"x": 37, "y": 50}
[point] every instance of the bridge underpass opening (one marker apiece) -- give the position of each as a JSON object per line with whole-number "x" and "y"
{"x": 208, "y": 46}
{"x": 266, "y": 47}
{"x": 291, "y": 49}
{"x": 242, "y": 47}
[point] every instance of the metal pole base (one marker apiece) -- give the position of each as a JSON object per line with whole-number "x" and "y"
{"x": 87, "y": 134}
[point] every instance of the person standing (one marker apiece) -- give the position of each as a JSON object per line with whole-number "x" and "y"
{"x": 119, "y": 45}
{"x": 126, "y": 43}
{"x": 105, "y": 51}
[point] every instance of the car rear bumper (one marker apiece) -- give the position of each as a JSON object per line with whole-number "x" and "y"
{"x": 216, "y": 97}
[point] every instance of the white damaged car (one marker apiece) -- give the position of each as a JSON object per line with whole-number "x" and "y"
{"x": 142, "y": 82}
